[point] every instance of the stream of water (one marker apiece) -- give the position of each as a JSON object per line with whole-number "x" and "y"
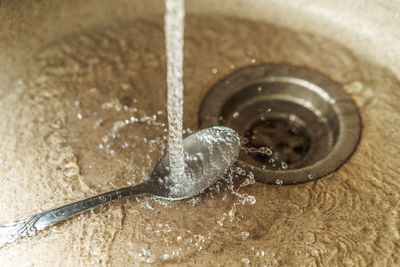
{"x": 174, "y": 31}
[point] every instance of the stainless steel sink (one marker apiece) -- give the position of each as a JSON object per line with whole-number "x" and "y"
{"x": 82, "y": 111}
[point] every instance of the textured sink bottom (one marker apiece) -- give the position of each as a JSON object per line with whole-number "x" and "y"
{"x": 88, "y": 116}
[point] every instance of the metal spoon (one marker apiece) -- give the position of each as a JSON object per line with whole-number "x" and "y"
{"x": 208, "y": 155}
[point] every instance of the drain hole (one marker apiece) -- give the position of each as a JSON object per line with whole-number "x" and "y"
{"x": 304, "y": 121}
{"x": 288, "y": 141}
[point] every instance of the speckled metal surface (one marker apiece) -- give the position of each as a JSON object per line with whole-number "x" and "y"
{"x": 72, "y": 70}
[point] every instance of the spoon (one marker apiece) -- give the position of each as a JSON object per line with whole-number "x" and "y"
{"x": 208, "y": 154}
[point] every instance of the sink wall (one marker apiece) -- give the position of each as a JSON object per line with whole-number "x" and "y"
{"x": 369, "y": 28}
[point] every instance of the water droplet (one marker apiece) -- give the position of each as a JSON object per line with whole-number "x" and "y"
{"x": 253, "y": 60}
{"x": 284, "y": 165}
{"x": 79, "y": 116}
{"x": 310, "y": 176}
{"x": 245, "y": 260}
{"x": 260, "y": 253}
{"x": 245, "y": 235}
{"x": 214, "y": 71}
{"x": 235, "y": 115}
{"x": 97, "y": 123}
{"x": 125, "y": 145}
{"x": 251, "y": 200}
{"x": 259, "y": 89}
{"x": 242, "y": 172}
{"x": 279, "y": 182}
{"x": 133, "y": 119}
{"x": 267, "y": 151}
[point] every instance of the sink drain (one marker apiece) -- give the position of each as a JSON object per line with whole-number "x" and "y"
{"x": 297, "y": 124}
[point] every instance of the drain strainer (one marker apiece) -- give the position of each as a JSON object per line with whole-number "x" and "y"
{"x": 297, "y": 124}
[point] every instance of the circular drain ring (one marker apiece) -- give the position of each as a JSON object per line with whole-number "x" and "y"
{"x": 323, "y": 94}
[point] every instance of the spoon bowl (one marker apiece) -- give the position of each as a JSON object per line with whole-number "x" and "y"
{"x": 208, "y": 155}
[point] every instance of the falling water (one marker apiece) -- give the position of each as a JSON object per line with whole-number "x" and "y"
{"x": 174, "y": 26}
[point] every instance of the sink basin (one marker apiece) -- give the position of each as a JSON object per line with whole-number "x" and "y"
{"x": 82, "y": 108}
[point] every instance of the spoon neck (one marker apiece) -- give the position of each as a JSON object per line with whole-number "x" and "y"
{"x": 143, "y": 188}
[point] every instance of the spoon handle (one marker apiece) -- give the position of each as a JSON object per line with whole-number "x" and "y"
{"x": 29, "y": 226}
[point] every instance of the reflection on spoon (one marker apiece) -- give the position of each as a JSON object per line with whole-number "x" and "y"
{"x": 208, "y": 155}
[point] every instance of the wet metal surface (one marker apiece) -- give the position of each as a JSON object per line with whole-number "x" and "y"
{"x": 86, "y": 114}
{"x": 308, "y": 122}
